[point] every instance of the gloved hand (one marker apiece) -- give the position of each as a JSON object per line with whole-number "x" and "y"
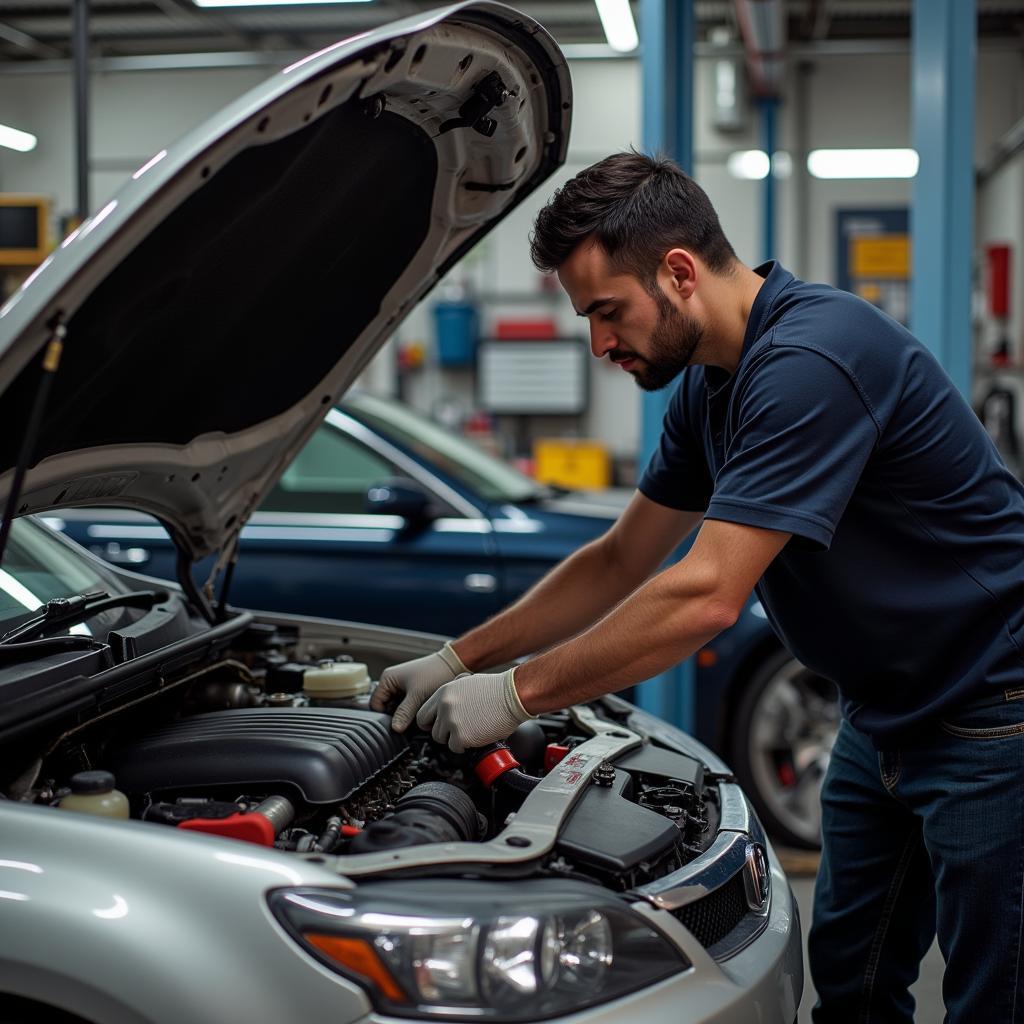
{"x": 413, "y": 682}
{"x": 474, "y": 710}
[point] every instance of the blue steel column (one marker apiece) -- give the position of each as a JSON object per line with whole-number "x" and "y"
{"x": 944, "y": 33}
{"x": 667, "y": 34}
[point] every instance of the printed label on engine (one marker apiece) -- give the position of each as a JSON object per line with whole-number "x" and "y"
{"x": 570, "y": 772}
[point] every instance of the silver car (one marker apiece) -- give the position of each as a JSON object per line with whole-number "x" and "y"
{"x": 201, "y": 821}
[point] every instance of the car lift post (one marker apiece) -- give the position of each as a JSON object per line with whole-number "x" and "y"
{"x": 667, "y": 33}
{"x": 941, "y": 217}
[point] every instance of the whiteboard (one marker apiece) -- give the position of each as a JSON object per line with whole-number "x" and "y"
{"x": 523, "y": 378}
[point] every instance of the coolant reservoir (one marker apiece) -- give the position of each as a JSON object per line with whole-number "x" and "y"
{"x": 94, "y": 793}
{"x": 336, "y": 680}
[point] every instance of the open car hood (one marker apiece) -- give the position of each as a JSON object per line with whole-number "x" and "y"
{"x": 235, "y": 287}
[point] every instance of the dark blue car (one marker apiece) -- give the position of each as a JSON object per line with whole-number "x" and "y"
{"x": 386, "y": 517}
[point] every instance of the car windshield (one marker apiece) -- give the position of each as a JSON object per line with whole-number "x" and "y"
{"x": 38, "y": 567}
{"x": 450, "y": 454}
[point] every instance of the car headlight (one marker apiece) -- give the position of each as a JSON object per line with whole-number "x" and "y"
{"x": 479, "y": 950}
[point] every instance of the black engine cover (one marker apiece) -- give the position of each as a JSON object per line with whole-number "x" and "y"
{"x": 323, "y": 754}
{"x": 607, "y": 830}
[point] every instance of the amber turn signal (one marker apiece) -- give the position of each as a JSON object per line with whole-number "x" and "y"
{"x": 358, "y": 957}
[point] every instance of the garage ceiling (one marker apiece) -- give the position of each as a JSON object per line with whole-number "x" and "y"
{"x": 33, "y": 30}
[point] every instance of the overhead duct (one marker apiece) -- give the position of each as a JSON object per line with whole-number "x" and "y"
{"x": 728, "y": 82}
{"x": 763, "y": 27}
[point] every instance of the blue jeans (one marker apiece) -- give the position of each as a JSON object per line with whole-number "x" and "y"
{"x": 917, "y": 840}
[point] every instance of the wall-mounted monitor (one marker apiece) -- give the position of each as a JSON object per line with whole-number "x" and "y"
{"x": 24, "y": 223}
{"x": 533, "y": 378}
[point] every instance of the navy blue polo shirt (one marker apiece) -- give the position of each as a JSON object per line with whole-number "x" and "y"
{"x": 904, "y": 579}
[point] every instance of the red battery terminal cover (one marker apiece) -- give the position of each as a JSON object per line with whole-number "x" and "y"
{"x": 554, "y": 753}
{"x": 495, "y": 763}
{"x": 250, "y": 827}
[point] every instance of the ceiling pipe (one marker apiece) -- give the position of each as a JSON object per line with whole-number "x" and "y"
{"x": 80, "y": 53}
{"x": 763, "y": 27}
{"x": 10, "y": 34}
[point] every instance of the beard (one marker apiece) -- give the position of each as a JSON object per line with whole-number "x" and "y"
{"x": 671, "y": 345}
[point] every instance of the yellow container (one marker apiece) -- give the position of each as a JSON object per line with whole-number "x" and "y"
{"x": 578, "y": 464}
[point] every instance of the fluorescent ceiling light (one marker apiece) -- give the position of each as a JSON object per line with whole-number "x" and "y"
{"x": 272, "y": 3}
{"x": 862, "y": 163}
{"x": 748, "y": 164}
{"x": 752, "y": 164}
{"x": 593, "y": 51}
{"x": 617, "y": 22}
{"x": 23, "y": 142}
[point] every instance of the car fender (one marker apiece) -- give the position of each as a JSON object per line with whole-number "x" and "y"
{"x": 167, "y": 922}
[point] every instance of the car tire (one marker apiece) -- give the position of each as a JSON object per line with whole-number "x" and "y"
{"x": 781, "y": 737}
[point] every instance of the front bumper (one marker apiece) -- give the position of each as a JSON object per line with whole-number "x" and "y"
{"x": 755, "y": 973}
{"x": 761, "y": 983}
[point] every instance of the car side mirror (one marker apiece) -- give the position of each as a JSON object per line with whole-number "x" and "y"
{"x": 400, "y": 497}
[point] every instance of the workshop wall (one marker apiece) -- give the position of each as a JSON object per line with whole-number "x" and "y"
{"x": 849, "y": 102}
{"x": 1000, "y": 219}
{"x": 134, "y": 115}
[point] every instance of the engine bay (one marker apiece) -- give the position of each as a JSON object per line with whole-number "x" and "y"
{"x": 269, "y": 744}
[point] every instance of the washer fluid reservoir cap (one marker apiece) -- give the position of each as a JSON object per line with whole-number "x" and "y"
{"x": 92, "y": 782}
{"x": 336, "y": 680}
{"x": 93, "y": 792}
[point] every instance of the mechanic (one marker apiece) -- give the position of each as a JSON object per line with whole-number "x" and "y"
{"x": 829, "y": 462}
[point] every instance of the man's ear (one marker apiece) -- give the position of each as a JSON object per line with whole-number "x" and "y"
{"x": 678, "y": 271}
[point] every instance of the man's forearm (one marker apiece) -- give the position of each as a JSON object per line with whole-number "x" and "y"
{"x": 662, "y": 622}
{"x": 568, "y": 599}
{"x": 668, "y": 619}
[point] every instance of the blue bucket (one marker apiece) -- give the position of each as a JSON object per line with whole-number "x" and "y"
{"x": 457, "y": 326}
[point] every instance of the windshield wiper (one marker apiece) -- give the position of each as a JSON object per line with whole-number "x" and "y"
{"x": 31, "y": 649}
{"x": 66, "y": 611}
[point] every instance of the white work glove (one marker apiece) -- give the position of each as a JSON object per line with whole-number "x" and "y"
{"x": 474, "y": 710}
{"x": 414, "y": 681}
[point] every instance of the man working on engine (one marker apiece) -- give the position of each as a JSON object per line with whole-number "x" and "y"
{"x": 829, "y": 461}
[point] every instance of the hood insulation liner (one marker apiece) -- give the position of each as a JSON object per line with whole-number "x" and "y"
{"x": 233, "y": 289}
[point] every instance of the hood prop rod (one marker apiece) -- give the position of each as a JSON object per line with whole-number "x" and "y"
{"x": 225, "y": 586}
{"x": 224, "y": 567}
{"x": 51, "y": 360}
{"x": 188, "y": 584}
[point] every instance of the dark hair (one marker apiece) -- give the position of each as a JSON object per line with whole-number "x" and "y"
{"x": 637, "y": 207}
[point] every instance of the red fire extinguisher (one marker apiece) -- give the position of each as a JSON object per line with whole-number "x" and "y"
{"x": 997, "y": 261}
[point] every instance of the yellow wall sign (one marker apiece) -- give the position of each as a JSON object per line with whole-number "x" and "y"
{"x": 24, "y": 229}
{"x": 875, "y": 256}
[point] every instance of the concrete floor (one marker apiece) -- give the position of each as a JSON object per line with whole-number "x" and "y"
{"x": 927, "y": 992}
